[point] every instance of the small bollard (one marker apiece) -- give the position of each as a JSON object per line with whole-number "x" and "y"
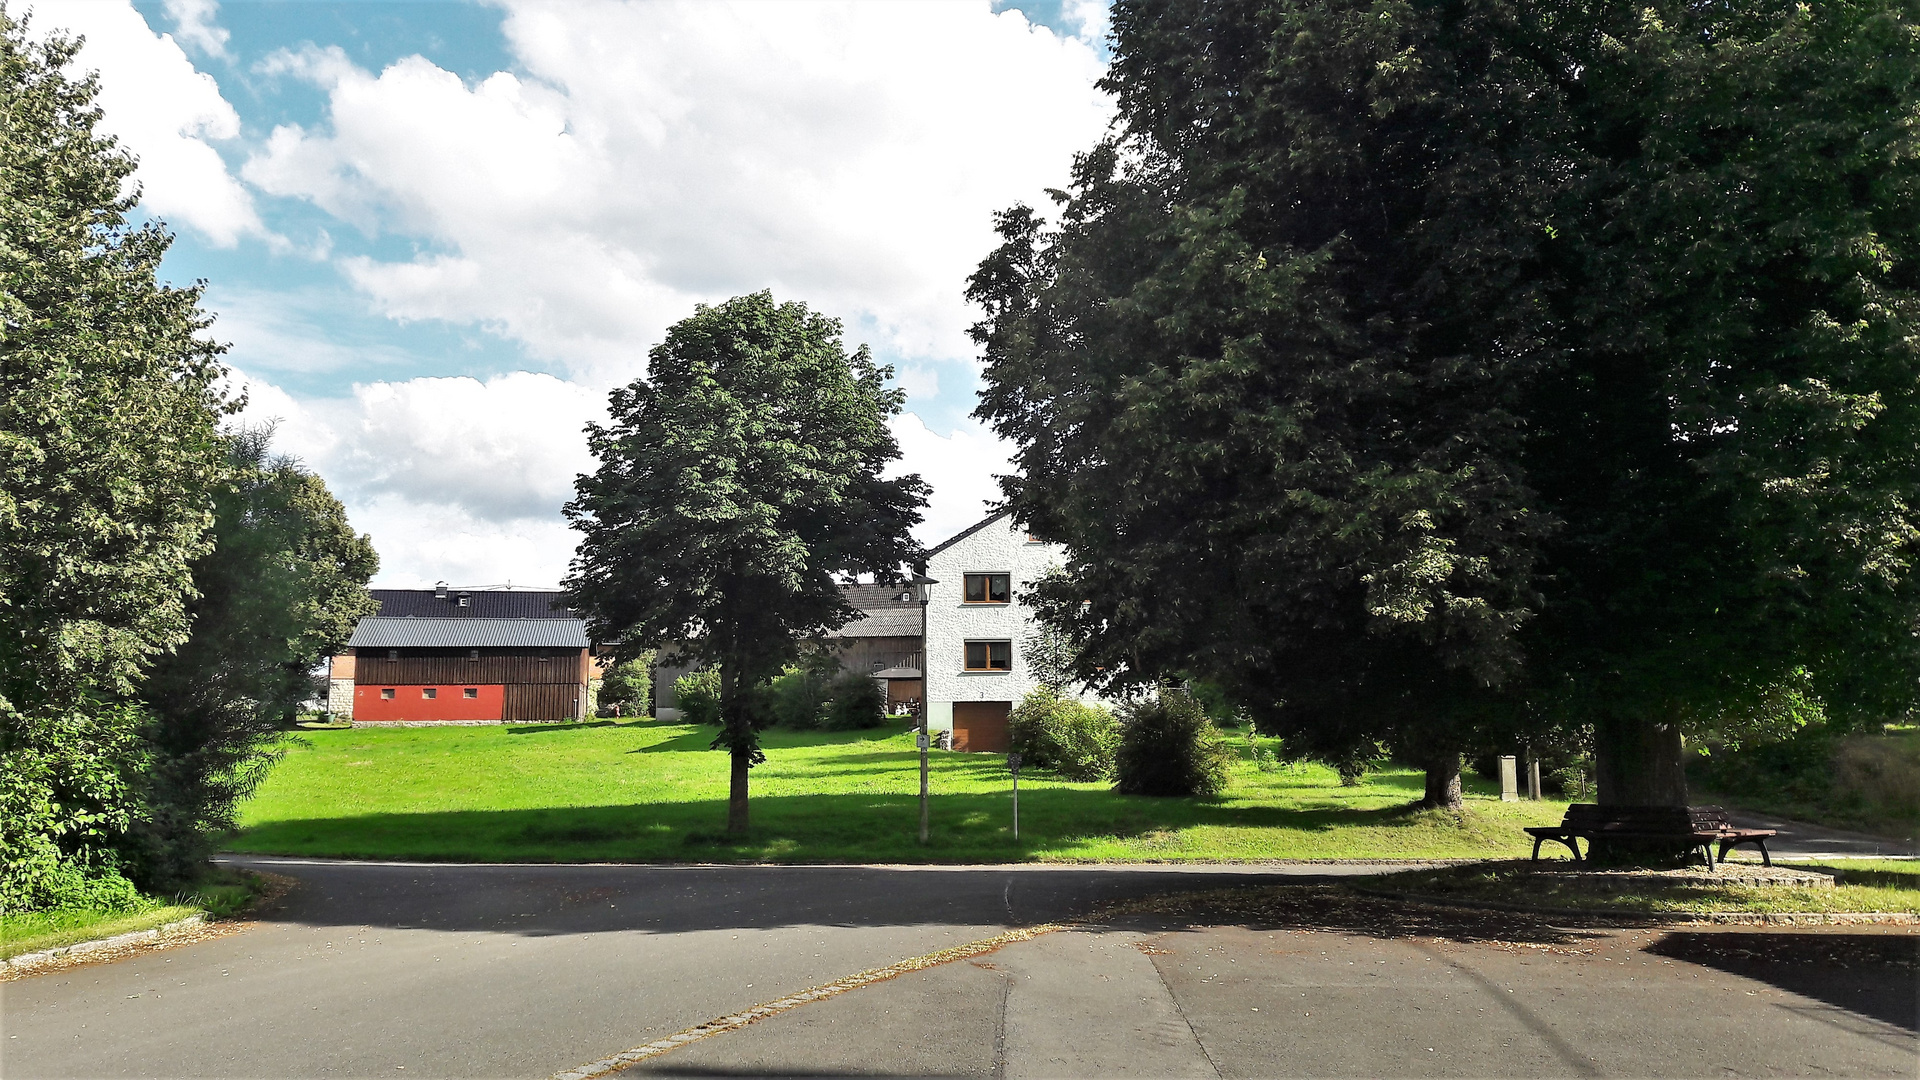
{"x": 1509, "y": 779}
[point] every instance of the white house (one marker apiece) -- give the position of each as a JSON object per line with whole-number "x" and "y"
{"x": 976, "y": 627}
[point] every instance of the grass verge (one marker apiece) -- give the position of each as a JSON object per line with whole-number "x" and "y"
{"x": 221, "y": 894}
{"x": 1878, "y": 887}
{"x": 651, "y": 791}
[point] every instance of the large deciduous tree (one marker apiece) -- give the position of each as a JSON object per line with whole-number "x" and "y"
{"x": 737, "y": 481}
{"x": 109, "y": 445}
{"x": 281, "y": 589}
{"x": 1410, "y": 368}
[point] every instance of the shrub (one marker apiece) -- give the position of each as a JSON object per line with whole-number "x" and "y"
{"x": 1169, "y": 747}
{"x": 797, "y": 699}
{"x": 854, "y": 701}
{"x": 698, "y": 695}
{"x": 1881, "y": 773}
{"x": 1076, "y": 740}
{"x": 627, "y": 685}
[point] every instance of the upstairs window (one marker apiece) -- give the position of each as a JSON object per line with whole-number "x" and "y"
{"x": 986, "y": 588}
{"x": 989, "y": 656}
{"x": 393, "y": 654}
{"x": 470, "y": 693}
{"x": 429, "y": 692}
{"x": 473, "y": 654}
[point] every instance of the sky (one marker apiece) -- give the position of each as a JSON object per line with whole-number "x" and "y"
{"x": 436, "y": 234}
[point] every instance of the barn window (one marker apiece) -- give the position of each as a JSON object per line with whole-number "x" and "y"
{"x": 473, "y": 654}
{"x": 470, "y": 693}
{"x": 429, "y": 692}
{"x": 465, "y": 600}
{"x": 393, "y": 654}
{"x": 386, "y": 694}
{"x": 544, "y": 657}
{"x": 989, "y": 656}
{"x": 986, "y": 588}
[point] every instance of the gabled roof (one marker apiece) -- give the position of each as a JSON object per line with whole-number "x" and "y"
{"x": 966, "y": 532}
{"x": 378, "y": 632}
{"x": 882, "y": 612}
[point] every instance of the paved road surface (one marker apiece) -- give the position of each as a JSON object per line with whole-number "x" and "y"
{"x": 407, "y": 970}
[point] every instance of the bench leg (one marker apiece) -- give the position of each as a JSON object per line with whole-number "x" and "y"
{"x": 1536, "y": 848}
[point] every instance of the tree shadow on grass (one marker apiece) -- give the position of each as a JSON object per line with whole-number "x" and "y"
{"x": 543, "y": 729}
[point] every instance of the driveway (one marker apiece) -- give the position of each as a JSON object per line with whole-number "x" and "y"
{"x": 408, "y": 970}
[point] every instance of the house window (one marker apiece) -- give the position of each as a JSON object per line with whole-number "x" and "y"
{"x": 989, "y": 656}
{"x": 986, "y": 588}
{"x": 470, "y": 693}
{"x": 429, "y": 692}
{"x": 386, "y": 694}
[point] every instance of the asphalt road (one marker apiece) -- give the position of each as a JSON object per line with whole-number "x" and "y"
{"x": 409, "y": 970}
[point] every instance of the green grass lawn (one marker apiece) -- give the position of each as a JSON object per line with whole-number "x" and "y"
{"x": 1861, "y": 886}
{"x": 647, "y": 791}
{"x": 223, "y": 893}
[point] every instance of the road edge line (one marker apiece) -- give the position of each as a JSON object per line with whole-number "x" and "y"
{"x": 735, "y": 1021}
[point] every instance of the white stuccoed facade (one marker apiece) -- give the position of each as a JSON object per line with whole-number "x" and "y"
{"x": 993, "y": 547}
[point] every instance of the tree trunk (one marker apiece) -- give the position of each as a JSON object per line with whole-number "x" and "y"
{"x": 733, "y": 717}
{"x": 737, "y": 791}
{"x": 1443, "y": 782}
{"x": 1639, "y": 762}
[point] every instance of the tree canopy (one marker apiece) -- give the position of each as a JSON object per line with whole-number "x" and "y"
{"x": 1412, "y": 368}
{"x": 738, "y": 481}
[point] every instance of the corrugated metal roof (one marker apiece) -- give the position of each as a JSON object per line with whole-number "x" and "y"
{"x": 481, "y": 604}
{"x": 378, "y": 632}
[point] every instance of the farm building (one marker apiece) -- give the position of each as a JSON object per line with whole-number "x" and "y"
{"x": 465, "y": 656}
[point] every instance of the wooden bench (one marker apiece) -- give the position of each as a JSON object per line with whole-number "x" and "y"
{"x": 1692, "y": 827}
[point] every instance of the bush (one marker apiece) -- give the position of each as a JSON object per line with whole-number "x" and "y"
{"x": 627, "y": 685}
{"x": 697, "y": 694}
{"x": 796, "y": 699}
{"x": 1881, "y": 774}
{"x": 854, "y": 701}
{"x": 1169, "y": 747}
{"x": 1077, "y": 741}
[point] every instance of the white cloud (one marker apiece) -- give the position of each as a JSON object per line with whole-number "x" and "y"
{"x": 653, "y": 155}
{"x": 1094, "y": 19}
{"x": 960, "y": 466}
{"x": 193, "y": 24}
{"x": 456, "y": 479}
{"x": 165, "y": 112}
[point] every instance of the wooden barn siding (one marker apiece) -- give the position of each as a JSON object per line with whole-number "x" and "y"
{"x": 535, "y": 701}
{"x": 454, "y": 667}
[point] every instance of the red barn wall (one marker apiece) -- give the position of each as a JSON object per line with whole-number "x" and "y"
{"x": 408, "y": 703}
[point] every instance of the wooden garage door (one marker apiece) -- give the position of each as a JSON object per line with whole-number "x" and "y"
{"x": 538, "y": 701}
{"x": 981, "y": 726}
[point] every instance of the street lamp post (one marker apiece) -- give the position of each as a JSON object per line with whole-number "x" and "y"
{"x": 922, "y": 590}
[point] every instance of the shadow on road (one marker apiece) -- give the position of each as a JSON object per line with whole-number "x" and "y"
{"x": 1876, "y": 975}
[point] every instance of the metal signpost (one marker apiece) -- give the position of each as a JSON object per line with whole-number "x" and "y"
{"x": 922, "y": 589}
{"x": 1013, "y": 766}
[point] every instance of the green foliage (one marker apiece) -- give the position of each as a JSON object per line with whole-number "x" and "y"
{"x": 854, "y": 701}
{"x": 68, "y": 796}
{"x": 627, "y": 684}
{"x": 736, "y": 482}
{"x": 1071, "y": 738}
{"x": 697, "y": 694}
{"x": 1169, "y": 747}
{"x": 109, "y": 449}
{"x": 1437, "y": 369}
{"x": 282, "y": 589}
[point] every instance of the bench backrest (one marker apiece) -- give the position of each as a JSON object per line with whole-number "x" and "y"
{"x": 1643, "y": 819}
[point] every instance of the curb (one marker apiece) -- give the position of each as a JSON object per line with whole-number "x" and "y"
{"x": 1655, "y": 918}
{"x": 26, "y": 961}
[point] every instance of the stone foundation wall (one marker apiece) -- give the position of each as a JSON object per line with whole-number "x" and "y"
{"x": 340, "y": 698}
